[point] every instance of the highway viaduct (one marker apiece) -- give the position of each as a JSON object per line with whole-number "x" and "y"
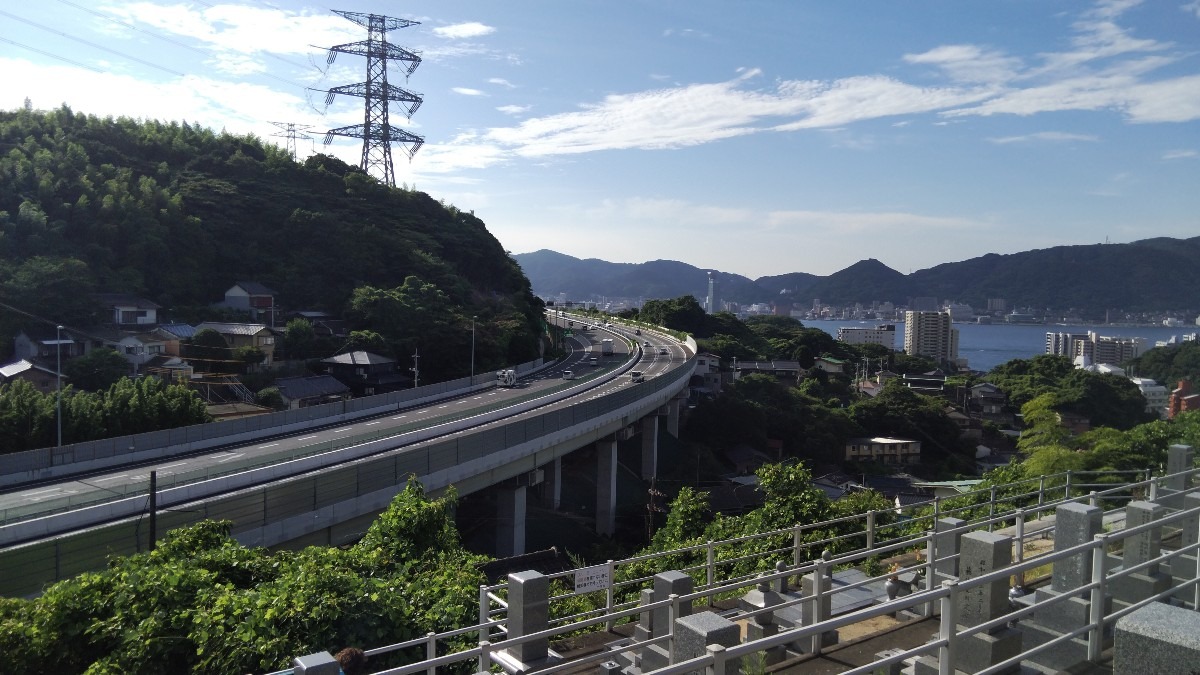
{"x": 328, "y": 492}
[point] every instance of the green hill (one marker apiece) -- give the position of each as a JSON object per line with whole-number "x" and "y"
{"x": 177, "y": 213}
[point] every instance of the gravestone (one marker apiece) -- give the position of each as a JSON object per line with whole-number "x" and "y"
{"x": 1075, "y": 524}
{"x": 666, "y": 584}
{"x": 1183, "y": 566}
{"x": 981, "y": 553}
{"x": 763, "y": 623}
{"x": 1139, "y": 548}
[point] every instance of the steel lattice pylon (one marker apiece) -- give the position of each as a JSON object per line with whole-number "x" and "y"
{"x": 376, "y": 131}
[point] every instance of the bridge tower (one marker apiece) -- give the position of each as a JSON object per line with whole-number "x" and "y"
{"x": 376, "y": 131}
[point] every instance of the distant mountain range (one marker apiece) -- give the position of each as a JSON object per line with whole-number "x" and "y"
{"x": 1161, "y": 274}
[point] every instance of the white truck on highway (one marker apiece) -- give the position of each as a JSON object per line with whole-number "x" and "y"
{"x": 506, "y": 378}
{"x": 606, "y": 347}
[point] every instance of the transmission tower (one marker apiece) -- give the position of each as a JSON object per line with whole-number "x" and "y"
{"x": 377, "y": 133}
{"x": 292, "y": 131}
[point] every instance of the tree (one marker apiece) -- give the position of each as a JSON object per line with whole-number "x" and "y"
{"x": 299, "y": 338}
{"x": 210, "y": 351}
{"x": 97, "y": 370}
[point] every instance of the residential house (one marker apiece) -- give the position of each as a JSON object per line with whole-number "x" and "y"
{"x": 989, "y": 403}
{"x": 786, "y": 371}
{"x": 45, "y": 380}
{"x": 367, "y": 374}
{"x": 707, "y": 379}
{"x": 254, "y": 298}
{"x": 239, "y": 335}
{"x": 948, "y": 488}
{"x": 884, "y": 449}
{"x": 138, "y": 348}
{"x": 324, "y": 324}
{"x": 128, "y": 311}
{"x": 830, "y": 364}
{"x": 305, "y": 391}
{"x": 1183, "y": 398}
{"x": 47, "y": 345}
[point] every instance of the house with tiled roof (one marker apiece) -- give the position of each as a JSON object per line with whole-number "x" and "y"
{"x": 366, "y": 373}
{"x": 43, "y": 379}
{"x": 305, "y": 391}
{"x": 245, "y": 335}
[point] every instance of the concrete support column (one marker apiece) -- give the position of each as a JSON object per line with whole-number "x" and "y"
{"x": 510, "y": 521}
{"x": 552, "y": 487}
{"x": 673, "y": 407}
{"x": 649, "y": 447}
{"x": 606, "y": 487}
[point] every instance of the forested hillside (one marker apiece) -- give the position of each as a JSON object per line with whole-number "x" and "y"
{"x": 177, "y": 213}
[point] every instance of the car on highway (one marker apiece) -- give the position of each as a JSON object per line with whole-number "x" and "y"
{"x": 663, "y": 350}
{"x": 636, "y": 376}
{"x": 593, "y": 361}
{"x": 568, "y": 375}
{"x": 647, "y": 343}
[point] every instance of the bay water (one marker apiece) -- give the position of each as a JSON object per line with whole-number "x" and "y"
{"x": 986, "y": 346}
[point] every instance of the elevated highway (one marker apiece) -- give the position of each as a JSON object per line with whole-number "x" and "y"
{"x": 324, "y": 483}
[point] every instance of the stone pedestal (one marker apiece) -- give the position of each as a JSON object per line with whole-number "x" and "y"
{"x": 666, "y": 584}
{"x": 1138, "y": 549}
{"x": 813, "y": 611}
{"x": 1157, "y": 639}
{"x": 694, "y": 633}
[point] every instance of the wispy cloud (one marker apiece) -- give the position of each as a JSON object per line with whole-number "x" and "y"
{"x": 459, "y": 31}
{"x": 969, "y": 63}
{"x": 1192, "y": 7}
{"x": 502, "y": 82}
{"x": 513, "y": 109}
{"x": 467, "y": 91}
{"x": 1047, "y": 136}
{"x": 1181, "y": 154}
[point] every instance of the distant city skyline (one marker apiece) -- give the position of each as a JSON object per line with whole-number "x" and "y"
{"x": 758, "y": 138}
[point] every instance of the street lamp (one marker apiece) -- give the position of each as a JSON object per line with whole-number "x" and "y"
{"x": 472, "y": 350}
{"x": 58, "y": 382}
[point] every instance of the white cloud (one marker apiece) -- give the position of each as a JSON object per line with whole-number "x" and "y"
{"x": 1192, "y": 7}
{"x": 969, "y": 63}
{"x": 502, "y": 82}
{"x": 1053, "y": 136}
{"x": 513, "y": 109}
{"x": 466, "y": 91}
{"x": 1181, "y": 154}
{"x": 459, "y": 31}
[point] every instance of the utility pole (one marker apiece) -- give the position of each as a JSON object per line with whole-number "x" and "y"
{"x": 376, "y": 131}
{"x": 416, "y": 368}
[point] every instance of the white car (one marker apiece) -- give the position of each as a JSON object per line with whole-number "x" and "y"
{"x": 663, "y": 350}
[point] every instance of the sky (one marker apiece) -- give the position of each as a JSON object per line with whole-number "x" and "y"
{"x": 757, "y": 137}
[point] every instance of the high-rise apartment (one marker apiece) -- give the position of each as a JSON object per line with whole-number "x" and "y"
{"x": 931, "y": 334}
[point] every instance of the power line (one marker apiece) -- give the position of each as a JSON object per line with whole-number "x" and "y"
{"x": 198, "y": 50}
{"x": 91, "y": 44}
{"x": 52, "y": 55}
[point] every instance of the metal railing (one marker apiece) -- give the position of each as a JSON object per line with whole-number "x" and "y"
{"x": 1047, "y": 496}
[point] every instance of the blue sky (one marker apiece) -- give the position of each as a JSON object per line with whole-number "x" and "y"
{"x": 758, "y": 137}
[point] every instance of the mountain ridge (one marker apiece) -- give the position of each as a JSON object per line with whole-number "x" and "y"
{"x": 1154, "y": 274}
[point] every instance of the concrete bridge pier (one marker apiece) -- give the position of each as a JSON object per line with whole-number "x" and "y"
{"x": 552, "y": 487}
{"x": 510, "y": 520}
{"x": 649, "y": 447}
{"x": 606, "y": 486}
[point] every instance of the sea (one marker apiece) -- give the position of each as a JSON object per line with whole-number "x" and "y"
{"x": 986, "y": 346}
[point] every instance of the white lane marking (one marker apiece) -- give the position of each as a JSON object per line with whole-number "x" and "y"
{"x": 168, "y": 466}
{"x": 268, "y": 445}
{"x": 233, "y": 456}
{"x": 370, "y": 423}
{"x": 307, "y": 438}
{"x": 400, "y": 417}
{"x": 53, "y": 489}
{"x": 442, "y": 406}
{"x": 340, "y": 431}
{"x": 101, "y": 480}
